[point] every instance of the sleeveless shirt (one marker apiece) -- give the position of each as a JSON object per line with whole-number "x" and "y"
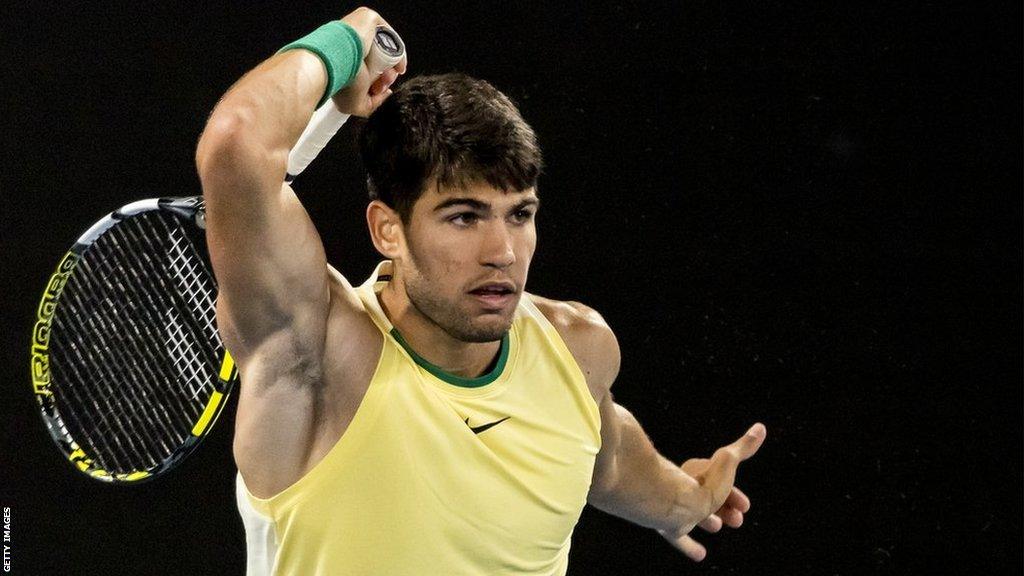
{"x": 438, "y": 474}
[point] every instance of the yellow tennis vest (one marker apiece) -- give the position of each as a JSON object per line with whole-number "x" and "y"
{"x": 438, "y": 475}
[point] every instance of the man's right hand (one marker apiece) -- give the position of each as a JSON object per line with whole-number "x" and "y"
{"x": 367, "y": 91}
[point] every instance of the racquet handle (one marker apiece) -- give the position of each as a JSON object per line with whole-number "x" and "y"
{"x": 386, "y": 51}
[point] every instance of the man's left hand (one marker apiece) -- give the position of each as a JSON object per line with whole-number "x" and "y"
{"x": 717, "y": 475}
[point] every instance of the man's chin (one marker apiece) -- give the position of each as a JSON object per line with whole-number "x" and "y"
{"x": 490, "y": 328}
{"x": 486, "y": 335}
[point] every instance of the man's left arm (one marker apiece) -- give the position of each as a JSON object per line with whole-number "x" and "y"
{"x": 633, "y": 481}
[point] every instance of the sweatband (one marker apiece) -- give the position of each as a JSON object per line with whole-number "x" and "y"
{"x": 339, "y": 47}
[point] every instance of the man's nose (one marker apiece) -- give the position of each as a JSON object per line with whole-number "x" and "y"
{"x": 497, "y": 250}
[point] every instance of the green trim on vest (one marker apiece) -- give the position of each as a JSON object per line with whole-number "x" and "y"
{"x": 450, "y": 378}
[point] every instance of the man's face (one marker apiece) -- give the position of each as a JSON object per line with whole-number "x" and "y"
{"x": 469, "y": 251}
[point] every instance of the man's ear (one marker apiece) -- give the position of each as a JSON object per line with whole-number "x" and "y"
{"x": 385, "y": 229}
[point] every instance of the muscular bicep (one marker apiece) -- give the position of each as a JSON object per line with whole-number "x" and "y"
{"x": 272, "y": 312}
{"x": 266, "y": 254}
{"x": 270, "y": 267}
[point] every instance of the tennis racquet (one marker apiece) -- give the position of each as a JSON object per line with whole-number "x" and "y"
{"x": 127, "y": 366}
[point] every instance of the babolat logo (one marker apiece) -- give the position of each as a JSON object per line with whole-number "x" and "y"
{"x": 41, "y": 332}
{"x": 85, "y": 464}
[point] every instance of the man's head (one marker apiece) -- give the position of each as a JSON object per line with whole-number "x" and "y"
{"x": 447, "y": 130}
{"x": 452, "y": 177}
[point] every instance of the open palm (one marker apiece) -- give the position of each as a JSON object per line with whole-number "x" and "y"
{"x": 717, "y": 475}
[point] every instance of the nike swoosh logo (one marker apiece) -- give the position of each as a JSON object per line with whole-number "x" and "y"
{"x": 479, "y": 429}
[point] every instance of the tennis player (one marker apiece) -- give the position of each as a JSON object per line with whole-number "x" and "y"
{"x": 437, "y": 419}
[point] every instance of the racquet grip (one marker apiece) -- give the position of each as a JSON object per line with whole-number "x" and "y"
{"x": 324, "y": 124}
{"x": 386, "y": 50}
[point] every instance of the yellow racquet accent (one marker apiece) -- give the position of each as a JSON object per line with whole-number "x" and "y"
{"x": 227, "y": 369}
{"x": 208, "y": 413}
{"x": 227, "y": 366}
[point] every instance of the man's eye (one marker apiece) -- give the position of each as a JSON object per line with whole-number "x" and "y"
{"x": 522, "y": 215}
{"x": 464, "y": 218}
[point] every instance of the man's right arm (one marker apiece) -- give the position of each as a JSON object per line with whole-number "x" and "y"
{"x": 266, "y": 254}
{"x": 274, "y": 294}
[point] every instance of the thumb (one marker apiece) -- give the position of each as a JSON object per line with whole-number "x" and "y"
{"x": 748, "y": 445}
{"x": 721, "y": 472}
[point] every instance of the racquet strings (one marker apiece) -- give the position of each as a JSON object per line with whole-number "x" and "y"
{"x": 135, "y": 348}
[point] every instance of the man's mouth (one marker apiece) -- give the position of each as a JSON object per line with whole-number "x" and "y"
{"x": 493, "y": 290}
{"x": 494, "y": 295}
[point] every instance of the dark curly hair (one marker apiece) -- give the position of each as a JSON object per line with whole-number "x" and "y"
{"x": 449, "y": 128}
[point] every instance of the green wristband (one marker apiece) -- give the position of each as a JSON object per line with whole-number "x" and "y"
{"x": 339, "y": 47}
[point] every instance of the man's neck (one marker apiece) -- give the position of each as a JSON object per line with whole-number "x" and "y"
{"x": 431, "y": 342}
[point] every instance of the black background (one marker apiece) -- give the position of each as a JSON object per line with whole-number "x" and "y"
{"x": 805, "y": 214}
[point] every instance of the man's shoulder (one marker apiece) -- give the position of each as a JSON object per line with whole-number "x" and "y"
{"x": 588, "y": 337}
{"x": 343, "y": 293}
{"x": 351, "y": 332}
{"x": 568, "y": 314}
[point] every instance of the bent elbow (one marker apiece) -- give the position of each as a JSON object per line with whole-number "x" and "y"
{"x": 603, "y": 483}
{"x": 227, "y": 144}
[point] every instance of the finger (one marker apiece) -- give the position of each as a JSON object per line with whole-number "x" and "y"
{"x": 738, "y": 500}
{"x": 711, "y": 524}
{"x": 377, "y": 100}
{"x": 382, "y": 22}
{"x": 731, "y": 517}
{"x": 694, "y": 466}
{"x": 384, "y": 81}
{"x": 693, "y": 549}
{"x": 720, "y": 475}
{"x": 721, "y": 472}
{"x": 364, "y": 21}
{"x": 747, "y": 445}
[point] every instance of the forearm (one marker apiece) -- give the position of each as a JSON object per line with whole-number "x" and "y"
{"x": 261, "y": 117}
{"x": 648, "y": 489}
